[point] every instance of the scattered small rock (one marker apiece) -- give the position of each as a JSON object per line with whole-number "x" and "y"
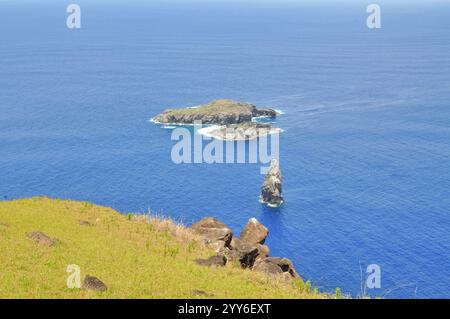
{"x": 84, "y": 223}
{"x": 93, "y": 283}
{"x": 254, "y": 232}
{"x": 42, "y": 238}
{"x": 218, "y": 260}
{"x": 202, "y": 293}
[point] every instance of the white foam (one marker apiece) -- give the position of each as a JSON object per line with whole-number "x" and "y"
{"x": 207, "y": 131}
{"x": 152, "y": 120}
{"x": 268, "y": 204}
{"x": 256, "y": 118}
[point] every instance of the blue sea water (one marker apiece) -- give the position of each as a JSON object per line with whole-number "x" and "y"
{"x": 365, "y": 150}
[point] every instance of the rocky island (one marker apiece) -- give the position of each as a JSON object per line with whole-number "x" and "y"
{"x": 218, "y": 112}
{"x": 226, "y": 119}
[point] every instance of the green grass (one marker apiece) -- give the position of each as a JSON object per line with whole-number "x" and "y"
{"x": 135, "y": 257}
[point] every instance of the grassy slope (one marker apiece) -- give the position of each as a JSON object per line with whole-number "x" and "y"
{"x": 133, "y": 257}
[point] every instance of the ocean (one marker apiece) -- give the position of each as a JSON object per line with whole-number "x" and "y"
{"x": 365, "y": 147}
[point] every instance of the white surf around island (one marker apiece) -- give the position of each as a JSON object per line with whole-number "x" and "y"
{"x": 209, "y": 129}
{"x": 169, "y": 125}
{"x": 262, "y": 117}
{"x": 269, "y": 204}
{"x": 259, "y": 118}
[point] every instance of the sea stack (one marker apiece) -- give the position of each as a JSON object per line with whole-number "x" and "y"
{"x": 271, "y": 189}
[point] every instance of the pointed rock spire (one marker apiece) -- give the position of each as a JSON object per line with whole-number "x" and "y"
{"x": 271, "y": 189}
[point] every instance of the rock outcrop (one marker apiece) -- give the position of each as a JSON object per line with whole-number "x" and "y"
{"x": 272, "y": 188}
{"x": 243, "y": 253}
{"x": 249, "y": 251}
{"x": 254, "y": 232}
{"x": 218, "y": 112}
{"x": 213, "y": 231}
{"x": 263, "y": 251}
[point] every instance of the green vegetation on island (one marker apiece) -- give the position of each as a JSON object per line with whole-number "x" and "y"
{"x": 219, "y": 112}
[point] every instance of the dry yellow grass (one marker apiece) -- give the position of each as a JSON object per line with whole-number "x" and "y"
{"x": 136, "y": 257}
